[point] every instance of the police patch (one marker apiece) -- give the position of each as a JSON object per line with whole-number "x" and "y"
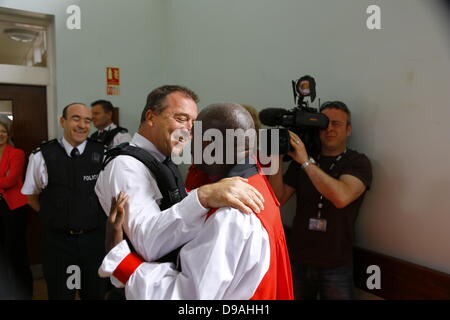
{"x": 96, "y": 157}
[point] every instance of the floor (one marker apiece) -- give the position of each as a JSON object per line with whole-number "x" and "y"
{"x": 40, "y": 287}
{"x": 40, "y": 292}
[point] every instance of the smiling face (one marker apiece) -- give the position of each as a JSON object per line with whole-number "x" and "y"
{"x": 334, "y": 138}
{"x": 172, "y": 128}
{"x": 3, "y": 135}
{"x": 77, "y": 123}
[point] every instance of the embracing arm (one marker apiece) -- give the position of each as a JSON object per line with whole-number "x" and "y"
{"x": 153, "y": 232}
{"x": 159, "y": 232}
{"x": 227, "y": 260}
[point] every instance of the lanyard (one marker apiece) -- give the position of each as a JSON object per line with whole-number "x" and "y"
{"x": 332, "y": 166}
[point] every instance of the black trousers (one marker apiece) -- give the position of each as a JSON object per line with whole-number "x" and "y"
{"x": 71, "y": 262}
{"x": 312, "y": 283}
{"x": 16, "y": 282}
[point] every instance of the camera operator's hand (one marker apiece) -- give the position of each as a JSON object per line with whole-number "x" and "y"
{"x": 299, "y": 153}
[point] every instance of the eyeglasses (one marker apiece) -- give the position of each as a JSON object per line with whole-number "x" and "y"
{"x": 337, "y": 123}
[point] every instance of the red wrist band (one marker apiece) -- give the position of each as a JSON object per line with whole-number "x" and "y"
{"x": 127, "y": 267}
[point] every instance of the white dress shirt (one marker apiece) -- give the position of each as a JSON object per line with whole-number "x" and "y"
{"x": 36, "y": 178}
{"x": 152, "y": 232}
{"x": 119, "y": 138}
{"x": 226, "y": 260}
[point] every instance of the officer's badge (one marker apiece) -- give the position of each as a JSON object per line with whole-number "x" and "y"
{"x": 96, "y": 157}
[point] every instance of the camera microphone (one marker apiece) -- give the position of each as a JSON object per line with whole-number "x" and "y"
{"x": 273, "y": 116}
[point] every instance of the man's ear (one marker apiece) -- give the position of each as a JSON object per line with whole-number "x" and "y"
{"x": 61, "y": 122}
{"x": 149, "y": 117}
{"x": 349, "y": 130}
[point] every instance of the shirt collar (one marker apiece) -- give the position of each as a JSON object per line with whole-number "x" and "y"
{"x": 68, "y": 147}
{"x": 144, "y": 143}
{"x": 110, "y": 127}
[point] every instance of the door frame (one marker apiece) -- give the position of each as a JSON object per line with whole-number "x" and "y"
{"x": 42, "y": 76}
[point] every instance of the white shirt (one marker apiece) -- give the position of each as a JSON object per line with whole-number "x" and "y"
{"x": 226, "y": 260}
{"x": 36, "y": 178}
{"x": 152, "y": 232}
{"x": 119, "y": 138}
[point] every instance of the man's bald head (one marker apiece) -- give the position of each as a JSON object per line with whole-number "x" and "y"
{"x": 235, "y": 125}
{"x": 225, "y": 115}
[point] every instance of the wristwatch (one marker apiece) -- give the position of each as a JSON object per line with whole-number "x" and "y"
{"x": 308, "y": 162}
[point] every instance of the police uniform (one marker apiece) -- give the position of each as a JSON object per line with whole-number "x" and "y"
{"x": 152, "y": 232}
{"x": 112, "y": 135}
{"x": 73, "y": 224}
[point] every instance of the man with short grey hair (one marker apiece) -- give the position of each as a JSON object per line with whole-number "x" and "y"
{"x": 156, "y": 224}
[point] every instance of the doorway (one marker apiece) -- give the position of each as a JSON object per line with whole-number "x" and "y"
{"x": 26, "y": 109}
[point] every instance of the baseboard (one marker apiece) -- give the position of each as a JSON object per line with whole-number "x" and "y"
{"x": 399, "y": 279}
{"x": 36, "y": 271}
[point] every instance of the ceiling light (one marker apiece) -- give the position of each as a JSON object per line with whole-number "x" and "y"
{"x": 20, "y": 35}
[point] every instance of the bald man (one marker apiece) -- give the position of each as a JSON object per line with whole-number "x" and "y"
{"x": 60, "y": 183}
{"x": 233, "y": 256}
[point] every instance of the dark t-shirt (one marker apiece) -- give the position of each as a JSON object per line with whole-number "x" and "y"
{"x": 333, "y": 248}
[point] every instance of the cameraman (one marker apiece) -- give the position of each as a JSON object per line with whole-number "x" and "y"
{"x": 329, "y": 195}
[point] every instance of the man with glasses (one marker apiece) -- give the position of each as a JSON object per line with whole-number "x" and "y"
{"x": 330, "y": 190}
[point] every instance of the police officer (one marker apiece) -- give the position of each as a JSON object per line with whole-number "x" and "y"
{"x": 60, "y": 181}
{"x": 145, "y": 172}
{"x": 107, "y": 132}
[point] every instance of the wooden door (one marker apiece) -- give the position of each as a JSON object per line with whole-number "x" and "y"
{"x": 29, "y": 129}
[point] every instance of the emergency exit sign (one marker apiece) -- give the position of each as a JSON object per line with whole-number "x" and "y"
{"x": 112, "y": 81}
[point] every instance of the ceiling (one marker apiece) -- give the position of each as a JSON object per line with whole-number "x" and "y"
{"x": 15, "y": 52}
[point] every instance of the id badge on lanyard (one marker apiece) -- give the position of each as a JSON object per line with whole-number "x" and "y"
{"x": 319, "y": 224}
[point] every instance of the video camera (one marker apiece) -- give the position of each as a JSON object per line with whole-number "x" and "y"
{"x": 304, "y": 120}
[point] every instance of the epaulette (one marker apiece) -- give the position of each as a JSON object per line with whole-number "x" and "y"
{"x": 94, "y": 140}
{"x": 43, "y": 144}
{"x": 122, "y": 130}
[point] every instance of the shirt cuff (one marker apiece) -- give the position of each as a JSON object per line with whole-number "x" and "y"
{"x": 196, "y": 205}
{"x": 112, "y": 260}
{"x": 29, "y": 191}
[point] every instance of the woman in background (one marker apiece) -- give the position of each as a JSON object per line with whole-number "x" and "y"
{"x": 15, "y": 274}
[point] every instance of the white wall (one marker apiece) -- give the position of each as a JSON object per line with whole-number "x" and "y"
{"x": 395, "y": 80}
{"x": 129, "y": 35}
